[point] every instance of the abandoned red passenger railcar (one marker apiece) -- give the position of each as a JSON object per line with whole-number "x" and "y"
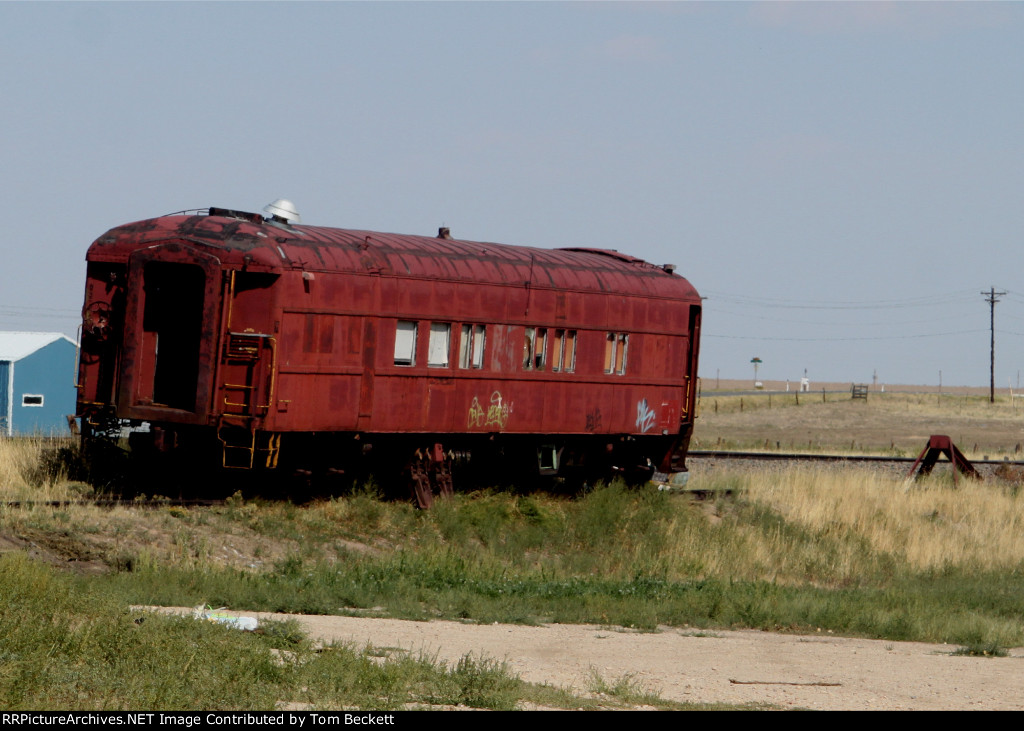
{"x": 255, "y": 343}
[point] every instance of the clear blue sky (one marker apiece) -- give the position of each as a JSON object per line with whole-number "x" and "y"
{"x": 841, "y": 181}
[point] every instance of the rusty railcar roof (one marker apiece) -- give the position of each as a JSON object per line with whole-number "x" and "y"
{"x": 265, "y": 245}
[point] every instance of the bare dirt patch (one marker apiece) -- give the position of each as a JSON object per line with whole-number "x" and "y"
{"x": 738, "y": 667}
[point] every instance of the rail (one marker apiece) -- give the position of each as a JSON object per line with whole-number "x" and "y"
{"x": 803, "y": 457}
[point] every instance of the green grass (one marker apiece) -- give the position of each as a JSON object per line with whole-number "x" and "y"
{"x": 953, "y": 608}
{"x": 789, "y": 550}
{"x": 615, "y": 556}
{"x": 64, "y": 647}
{"x": 989, "y": 650}
{"x": 65, "y": 644}
{"x": 627, "y": 689}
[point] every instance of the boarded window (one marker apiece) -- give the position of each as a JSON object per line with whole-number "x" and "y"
{"x": 437, "y": 351}
{"x": 471, "y": 347}
{"x": 540, "y": 349}
{"x": 620, "y": 354}
{"x": 563, "y": 351}
{"x": 615, "y": 346}
{"x": 535, "y": 348}
{"x": 405, "y": 343}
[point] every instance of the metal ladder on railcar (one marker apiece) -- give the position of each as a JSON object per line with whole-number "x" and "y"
{"x": 243, "y": 447}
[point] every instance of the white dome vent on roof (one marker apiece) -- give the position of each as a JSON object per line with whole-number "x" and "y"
{"x": 283, "y": 210}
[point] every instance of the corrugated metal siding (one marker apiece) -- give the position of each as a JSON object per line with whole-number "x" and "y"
{"x": 49, "y": 372}
{"x": 5, "y": 398}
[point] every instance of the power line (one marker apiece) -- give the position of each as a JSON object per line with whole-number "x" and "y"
{"x": 705, "y": 334}
{"x": 710, "y": 311}
{"x": 875, "y": 304}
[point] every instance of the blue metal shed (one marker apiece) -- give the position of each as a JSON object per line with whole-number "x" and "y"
{"x": 37, "y": 383}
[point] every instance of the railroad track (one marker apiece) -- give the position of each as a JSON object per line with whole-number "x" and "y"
{"x": 699, "y": 458}
{"x": 798, "y": 457}
{"x": 703, "y": 461}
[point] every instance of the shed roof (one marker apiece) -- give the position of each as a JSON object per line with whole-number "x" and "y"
{"x": 18, "y": 345}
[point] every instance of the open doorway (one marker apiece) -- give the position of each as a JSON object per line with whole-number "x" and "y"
{"x": 172, "y": 326}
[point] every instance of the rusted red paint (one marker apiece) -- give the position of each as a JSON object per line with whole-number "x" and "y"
{"x": 288, "y": 329}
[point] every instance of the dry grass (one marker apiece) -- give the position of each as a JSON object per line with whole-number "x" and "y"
{"x": 842, "y": 549}
{"x": 929, "y": 524}
{"x": 710, "y": 385}
{"x": 855, "y": 516}
{"x": 892, "y": 422}
{"x": 30, "y": 469}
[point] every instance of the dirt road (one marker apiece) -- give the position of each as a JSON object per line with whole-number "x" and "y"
{"x": 786, "y": 671}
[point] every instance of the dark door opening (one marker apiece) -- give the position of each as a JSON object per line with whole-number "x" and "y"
{"x": 172, "y": 325}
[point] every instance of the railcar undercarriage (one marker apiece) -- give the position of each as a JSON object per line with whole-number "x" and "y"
{"x": 189, "y": 461}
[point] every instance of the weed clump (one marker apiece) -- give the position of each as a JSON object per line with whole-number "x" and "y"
{"x": 981, "y": 650}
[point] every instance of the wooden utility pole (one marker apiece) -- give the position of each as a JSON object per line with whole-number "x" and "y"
{"x": 992, "y": 297}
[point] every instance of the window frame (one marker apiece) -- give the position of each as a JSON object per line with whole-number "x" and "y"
{"x": 616, "y": 348}
{"x": 535, "y": 348}
{"x": 562, "y": 338}
{"x": 410, "y": 343}
{"x": 434, "y": 345}
{"x": 472, "y": 343}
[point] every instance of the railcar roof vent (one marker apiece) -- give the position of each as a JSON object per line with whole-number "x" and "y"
{"x": 444, "y": 233}
{"x": 610, "y": 253}
{"x": 241, "y": 215}
{"x": 670, "y": 268}
{"x": 282, "y": 210}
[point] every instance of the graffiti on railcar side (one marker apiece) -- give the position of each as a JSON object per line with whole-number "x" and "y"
{"x": 644, "y": 416}
{"x": 594, "y": 420}
{"x": 496, "y": 413}
{"x": 476, "y": 414}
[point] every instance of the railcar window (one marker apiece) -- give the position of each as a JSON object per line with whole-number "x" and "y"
{"x": 31, "y": 400}
{"x": 615, "y": 346}
{"x": 437, "y": 351}
{"x": 405, "y": 343}
{"x": 563, "y": 351}
{"x": 471, "y": 347}
{"x": 535, "y": 348}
